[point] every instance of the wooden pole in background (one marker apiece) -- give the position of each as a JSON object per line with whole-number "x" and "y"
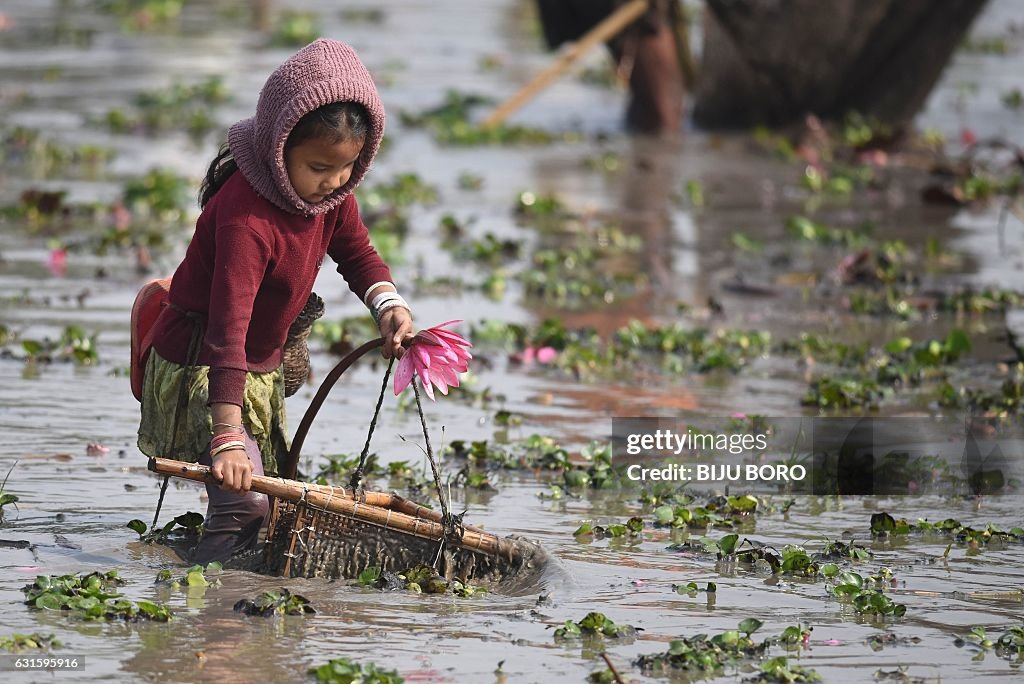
{"x": 611, "y": 26}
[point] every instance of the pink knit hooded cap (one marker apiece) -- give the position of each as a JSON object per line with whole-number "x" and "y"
{"x": 323, "y": 72}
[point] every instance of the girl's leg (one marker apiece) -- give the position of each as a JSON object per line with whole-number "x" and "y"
{"x": 233, "y": 522}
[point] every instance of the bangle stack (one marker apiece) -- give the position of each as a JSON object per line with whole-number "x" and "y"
{"x": 226, "y": 442}
{"x": 385, "y": 301}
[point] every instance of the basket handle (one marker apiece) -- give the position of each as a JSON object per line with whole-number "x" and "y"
{"x": 291, "y": 463}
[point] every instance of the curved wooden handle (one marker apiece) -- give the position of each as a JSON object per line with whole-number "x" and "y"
{"x": 291, "y": 464}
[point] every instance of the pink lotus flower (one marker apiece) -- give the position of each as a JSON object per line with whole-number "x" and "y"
{"x": 542, "y": 355}
{"x": 437, "y": 356}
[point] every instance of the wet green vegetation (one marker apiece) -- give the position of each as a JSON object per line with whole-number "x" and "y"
{"x": 594, "y": 625}
{"x": 185, "y": 528}
{"x": 195, "y": 576}
{"x": 44, "y": 157}
{"x": 885, "y": 526}
{"x": 296, "y": 28}
{"x": 423, "y": 579}
{"x": 451, "y": 123}
{"x": 23, "y": 643}
{"x": 179, "y": 107}
{"x": 701, "y": 656}
{"x": 91, "y": 596}
{"x": 1009, "y": 645}
{"x": 348, "y": 671}
{"x": 75, "y": 345}
{"x": 274, "y": 604}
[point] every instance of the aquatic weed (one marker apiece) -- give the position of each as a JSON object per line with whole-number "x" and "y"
{"x": 176, "y": 107}
{"x": 46, "y": 157}
{"x": 865, "y": 594}
{"x": 347, "y": 671}
{"x": 195, "y": 576}
{"x": 704, "y": 655}
{"x": 363, "y": 15}
{"x": 779, "y": 670}
{"x": 594, "y": 624}
{"x": 160, "y": 194}
{"x": 91, "y": 597}
{"x": 187, "y": 526}
{"x": 470, "y": 181}
{"x": 588, "y": 531}
{"x": 803, "y": 228}
{"x": 20, "y": 643}
{"x": 295, "y": 28}
{"x": 74, "y": 345}
{"x": 1009, "y": 646}
{"x": 403, "y": 190}
{"x": 274, "y": 603}
{"x": 144, "y": 15}
{"x": 987, "y": 45}
{"x": 884, "y": 525}
{"x": 1002, "y": 403}
{"x": 691, "y": 589}
{"x": 422, "y": 579}
{"x": 450, "y": 124}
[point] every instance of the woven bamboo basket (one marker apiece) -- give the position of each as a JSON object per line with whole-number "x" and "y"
{"x": 324, "y": 531}
{"x": 332, "y": 532}
{"x": 296, "y": 351}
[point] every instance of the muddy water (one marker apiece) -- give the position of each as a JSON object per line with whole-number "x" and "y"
{"x": 63, "y": 63}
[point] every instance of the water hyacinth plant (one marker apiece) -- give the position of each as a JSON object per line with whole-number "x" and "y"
{"x": 271, "y": 603}
{"x": 594, "y": 625}
{"x": 20, "y": 643}
{"x": 347, "y": 671}
{"x": 91, "y": 597}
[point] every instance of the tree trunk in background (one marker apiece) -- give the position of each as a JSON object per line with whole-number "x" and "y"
{"x": 773, "y": 61}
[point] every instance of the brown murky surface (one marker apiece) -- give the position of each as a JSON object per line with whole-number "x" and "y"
{"x": 63, "y": 64}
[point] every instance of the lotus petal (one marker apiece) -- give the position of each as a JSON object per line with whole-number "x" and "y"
{"x": 404, "y": 373}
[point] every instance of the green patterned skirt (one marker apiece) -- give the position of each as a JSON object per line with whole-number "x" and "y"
{"x": 262, "y": 413}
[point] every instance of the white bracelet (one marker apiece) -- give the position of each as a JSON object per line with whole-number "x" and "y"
{"x": 383, "y": 297}
{"x": 390, "y": 304}
{"x": 366, "y": 297}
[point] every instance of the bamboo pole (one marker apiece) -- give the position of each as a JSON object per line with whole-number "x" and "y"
{"x": 331, "y": 499}
{"x": 609, "y": 27}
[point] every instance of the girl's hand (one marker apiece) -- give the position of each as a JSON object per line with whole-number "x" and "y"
{"x": 234, "y": 470}
{"x": 395, "y": 326}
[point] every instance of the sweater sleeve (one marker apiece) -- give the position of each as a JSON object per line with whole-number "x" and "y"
{"x": 350, "y": 248}
{"x": 242, "y": 258}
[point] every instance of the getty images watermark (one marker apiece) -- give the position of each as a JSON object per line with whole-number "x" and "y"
{"x": 668, "y": 441}
{"x": 824, "y": 455}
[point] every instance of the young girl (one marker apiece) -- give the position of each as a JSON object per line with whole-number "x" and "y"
{"x": 275, "y": 200}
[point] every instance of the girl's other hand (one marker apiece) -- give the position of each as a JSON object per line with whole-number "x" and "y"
{"x": 395, "y": 326}
{"x": 234, "y": 470}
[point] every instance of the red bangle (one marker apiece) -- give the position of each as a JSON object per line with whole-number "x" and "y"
{"x": 224, "y": 438}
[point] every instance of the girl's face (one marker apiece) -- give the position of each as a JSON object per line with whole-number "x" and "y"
{"x": 316, "y": 167}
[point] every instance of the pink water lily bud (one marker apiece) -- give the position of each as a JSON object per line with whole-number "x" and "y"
{"x": 57, "y": 263}
{"x": 546, "y": 354}
{"x": 437, "y": 356}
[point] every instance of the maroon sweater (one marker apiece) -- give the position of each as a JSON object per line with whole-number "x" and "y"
{"x": 249, "y": 269}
